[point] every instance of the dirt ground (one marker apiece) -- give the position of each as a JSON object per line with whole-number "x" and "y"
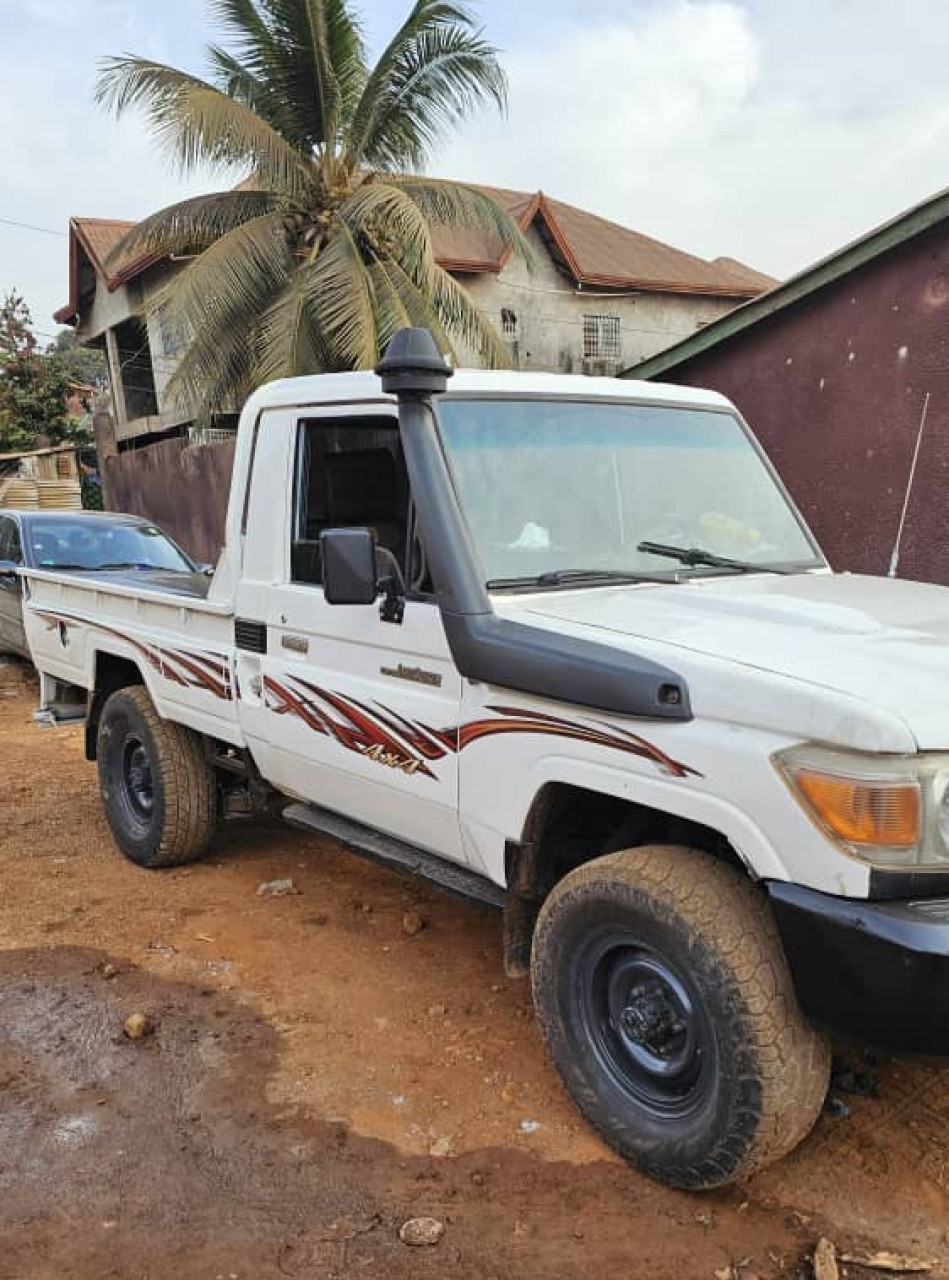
{"x": 317, "y": 1076}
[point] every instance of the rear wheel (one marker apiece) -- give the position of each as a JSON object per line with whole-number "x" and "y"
{"x": 667, "y": 1007}
{"x": 159, "y": 792}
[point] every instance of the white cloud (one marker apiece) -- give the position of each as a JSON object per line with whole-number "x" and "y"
{"x": 767, "y": 131}
{"x": 62, "y": 155}
{"x": 758, "y": 128}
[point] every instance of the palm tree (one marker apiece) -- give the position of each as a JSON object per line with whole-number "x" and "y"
{"x": 324, "y": 249}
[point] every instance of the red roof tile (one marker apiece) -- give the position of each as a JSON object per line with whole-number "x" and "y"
{"x": 591, "y": 249}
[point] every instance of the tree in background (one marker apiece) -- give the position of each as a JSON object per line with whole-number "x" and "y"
{"x": 34, "y": 385}
{"x": 85, "y": 365}
{"x": 324, "y": 249}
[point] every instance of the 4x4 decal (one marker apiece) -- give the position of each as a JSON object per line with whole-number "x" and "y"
{"x": 410, "y": 746}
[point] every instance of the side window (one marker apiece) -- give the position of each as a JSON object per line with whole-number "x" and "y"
{"x": 350, "y": 473}
{"x": 10, "y": 541}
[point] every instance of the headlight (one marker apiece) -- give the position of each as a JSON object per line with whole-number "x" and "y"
{"x": 890, "y": 811}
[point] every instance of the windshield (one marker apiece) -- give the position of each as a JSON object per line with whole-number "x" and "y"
{"x": 550, "y": 486}
{"x": 92, "y": 544}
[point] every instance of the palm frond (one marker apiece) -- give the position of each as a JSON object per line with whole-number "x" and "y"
{"x": 346, "y": 53}
{"x": 455, "y": 204}
{"x": 198, "y": 124}
{"x": 391, "y": 312}
{"x": 400, "y": 302}
{"x": 191, "y": 225}
{"x": 252, "y": 36}
{"x": 254, "y": 69}
{"x": 469, "y": 326}
{"x": 379, "y": 214}
{"x": 437, "y": 69}
{"x": 286, "y": 339}
{"x": 318, "y": 64}
{"x": 217, "y": 300}
{"x": 336, "y": 296}
{"x": 255, "y": 91}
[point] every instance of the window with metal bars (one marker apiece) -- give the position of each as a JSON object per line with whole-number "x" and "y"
{"x": 601, "y": 338}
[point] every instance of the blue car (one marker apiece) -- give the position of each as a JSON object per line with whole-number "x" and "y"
{"x": 84, "y": 542}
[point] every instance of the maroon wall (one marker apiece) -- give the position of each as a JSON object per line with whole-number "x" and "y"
{"x": 834, "y": 387}
{"x": 183, "y": 488}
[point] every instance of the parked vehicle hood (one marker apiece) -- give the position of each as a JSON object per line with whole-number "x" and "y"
{"x": 882, "y": 642}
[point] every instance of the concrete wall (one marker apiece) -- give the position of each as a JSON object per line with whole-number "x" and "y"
{"x": 550, "y": 310}
{"x": 835, "y": 386}
{"x": 107, "y": 313}
{"x": 109, "y": 309}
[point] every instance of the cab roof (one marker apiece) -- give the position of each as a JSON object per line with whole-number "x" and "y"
{"x": 365, "y": 387}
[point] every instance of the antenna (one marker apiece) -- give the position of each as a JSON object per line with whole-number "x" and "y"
{"x": 895, "y": 558}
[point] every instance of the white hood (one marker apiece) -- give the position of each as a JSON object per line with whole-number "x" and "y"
{"x": 884, "y": 643}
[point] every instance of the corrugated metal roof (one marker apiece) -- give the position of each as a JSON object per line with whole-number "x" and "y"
{"x": 607, "y": 254}
{"x": 599, "y": 253}
{"x": 594, "y": 251}
{"x": 98, "y": 237}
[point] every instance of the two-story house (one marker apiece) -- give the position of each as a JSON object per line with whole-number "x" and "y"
{"x": 597, "y": 298}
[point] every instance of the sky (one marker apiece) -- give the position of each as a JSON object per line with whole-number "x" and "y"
{"x": 765, "y": 130}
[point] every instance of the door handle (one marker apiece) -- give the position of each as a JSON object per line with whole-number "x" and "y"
{"x": 299, "y": 644}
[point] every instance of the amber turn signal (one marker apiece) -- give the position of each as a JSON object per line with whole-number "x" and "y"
{"x": 865, "y": 812}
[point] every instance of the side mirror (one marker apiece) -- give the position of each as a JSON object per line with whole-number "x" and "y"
{"x": 349, "y": 566}
{"x": 8, "y": 569}
{"x": 206, "y": 569}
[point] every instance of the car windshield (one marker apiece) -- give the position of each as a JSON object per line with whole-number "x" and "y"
{"x": 555, "y": 486}
{"x": 94, "y": 544}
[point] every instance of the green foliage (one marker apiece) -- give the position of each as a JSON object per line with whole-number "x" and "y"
{"x": 92, "y": 499}
{"x": 85, "y": 365}
{"x": 324, "y": 248}
{"x": 34, "y": 385}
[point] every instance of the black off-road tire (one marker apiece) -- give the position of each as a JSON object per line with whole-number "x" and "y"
{"x": 159, "y": 792}
{"x": 667, "y": 915}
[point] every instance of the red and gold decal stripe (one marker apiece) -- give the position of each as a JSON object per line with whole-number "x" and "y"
{"x": 183, "y": 667}
{"x": 411, "y": 746}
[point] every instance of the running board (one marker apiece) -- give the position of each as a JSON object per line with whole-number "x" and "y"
{"x": 372, "y": 844}
{"x": 56, "y": 715}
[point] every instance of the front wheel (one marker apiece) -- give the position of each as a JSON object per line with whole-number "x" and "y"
{"x": 668, "y": 1009}
{"x": 159, "y": 792}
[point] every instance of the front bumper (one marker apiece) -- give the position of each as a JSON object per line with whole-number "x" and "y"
{"x": 876, "y": 970}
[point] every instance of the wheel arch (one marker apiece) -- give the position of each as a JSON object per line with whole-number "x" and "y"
{"x": 569, "y": 824}
{"x": 110, "y": 672}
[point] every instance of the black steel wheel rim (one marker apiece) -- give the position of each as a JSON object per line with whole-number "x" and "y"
{"x": 646, "y": 1025}
{"x": 137, "y": 780}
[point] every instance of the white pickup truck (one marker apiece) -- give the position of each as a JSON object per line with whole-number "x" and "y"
{"x": 563, "y": 645}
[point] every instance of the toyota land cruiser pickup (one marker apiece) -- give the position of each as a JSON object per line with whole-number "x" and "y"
{"x": 563, "y": 645}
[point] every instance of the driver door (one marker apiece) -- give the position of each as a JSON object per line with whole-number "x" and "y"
{"x": 348, "y": 710}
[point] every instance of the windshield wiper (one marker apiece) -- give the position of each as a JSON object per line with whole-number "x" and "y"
{"x": 693, "y": 556}
{"x": 576, "y": 577}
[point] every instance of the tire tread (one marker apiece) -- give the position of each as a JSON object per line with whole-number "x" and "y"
{"x": 788, "y": 1061}
{"x": 189, "y": 790}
